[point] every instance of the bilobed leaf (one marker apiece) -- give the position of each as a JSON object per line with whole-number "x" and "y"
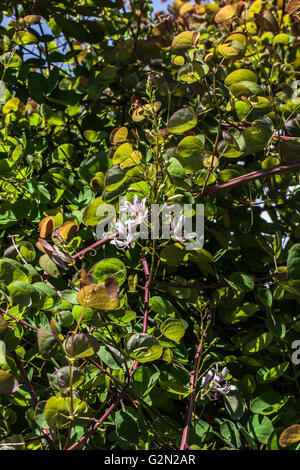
{"x": 266, "y": 401}
{"x": 96, "y": 296}
{"x": 110, "y": 267}
{"x": 245, "y": 88}
{"x": 190, "y": 146}
{"x": 270, "y": 374}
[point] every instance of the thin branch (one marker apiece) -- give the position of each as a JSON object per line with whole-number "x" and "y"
{"x": 250, "y": 177}
{"x": 32, "y": 393}
{"x": 23, "y": 322}
{"x": 267, "y": 277}
{"x": 95, "y": 245}
{"x": 193, "y": 382}
{"x": 100, "y": 421}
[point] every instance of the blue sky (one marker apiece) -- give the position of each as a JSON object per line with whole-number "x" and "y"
{"x": 161, "y": 6}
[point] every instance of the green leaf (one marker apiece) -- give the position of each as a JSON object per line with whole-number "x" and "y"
{"x": 183, "y": 41}
{"x": 256, "y": 138}
{"x": 230, "y": 432}
{"x": 96, "y": 296}
{"x": 191, "y": 146}
{"x": 144, "y": 347}
{"x": 234, "y": 405}
{"x": 47, "y": 342}
{"x": 60, "y": 379}
{"x": 110, "y": 267}
{"x": 293, "y": 262}
{"x": 81, "y": 345}
{"x": 260, "y": 427}
{"x": 173, "y": 329}
{"x": 241, "y": 282}
{"x": 57, "y": 412}
{"x": 126, "y": 426}
{"x": 11, "y": 270}
{"x": 246, "y": 88}
{"x": 241, "y": 75}
{"x": 266, "y": 374}
{"x": 265, "y": 403}
{"x": 23, "y": 38}
{"x": 111, "y": 357}
{"x": 257, "y": 344}
{"x": 182, "y": 120}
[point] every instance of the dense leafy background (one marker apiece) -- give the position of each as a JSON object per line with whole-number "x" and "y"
{"x": 197, "y": 105}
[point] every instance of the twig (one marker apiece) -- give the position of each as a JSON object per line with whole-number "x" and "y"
{"x": 215, "y": 286}
{"x": 193, "y": 382}
{"x": 19, "y": 320}
{"x": 94, "y": 245}
{"x": 32, "y": 393}
{"x": 100, "y": 421}
{"x": 250, "y": 177}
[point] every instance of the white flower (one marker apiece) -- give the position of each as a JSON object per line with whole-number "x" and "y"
{"x": 127, "y": 238}
{"x": 210, "y": 383}
{"x": 176, "y": 229}
{"x": 137, "y": 210}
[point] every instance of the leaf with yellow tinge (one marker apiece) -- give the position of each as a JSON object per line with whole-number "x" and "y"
{"x": 134, "y": 159}
{"x": 122, "y": 153}
{"x": 290, "y": 436}
{"x": 11, "y": 106}
{"x": 96, "y": 296}
{"x": 46, "y": 226}
{"x": 119, "y": 135}
{"x": 8, "y": 383}
{"x": 184, "y": 40}
{"x": 224, "y": 14}
{"x": 23, "y": 38}
{"x": 32, "y": 19}
{"x": 68, "y": 230}
{"x": 292, "y": 6}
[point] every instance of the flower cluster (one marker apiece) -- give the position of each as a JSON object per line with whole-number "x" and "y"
{"x": 210, "y": 383}
{"x": 138, "y": 215}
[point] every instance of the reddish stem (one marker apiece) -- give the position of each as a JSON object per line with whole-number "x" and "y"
{"x": 32, "y": 393}
{"x": 100, "y": 421}
{"x": 94, "y": 245}
{"x": 193, "y": 383}
{"x": 250, "y": 177}
{"x": 19, "y": 320}
{"x": 146, "y": 303}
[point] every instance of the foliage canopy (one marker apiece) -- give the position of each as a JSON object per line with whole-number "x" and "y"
{"x": 152, "y": 346}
